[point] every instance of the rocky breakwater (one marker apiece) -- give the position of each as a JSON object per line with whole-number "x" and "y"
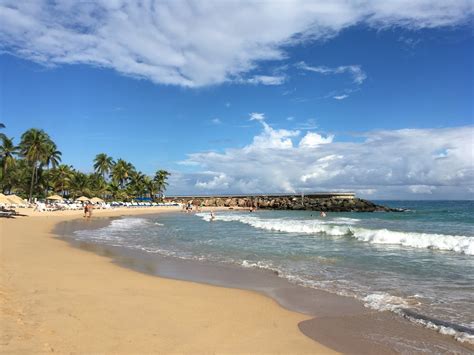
{"x": 309, "y": 203}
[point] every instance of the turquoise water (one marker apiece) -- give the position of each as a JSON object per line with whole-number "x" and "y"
{"x": 421, "y": 260}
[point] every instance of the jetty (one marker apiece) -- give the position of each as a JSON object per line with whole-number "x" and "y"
{"x": 311, "y": 201}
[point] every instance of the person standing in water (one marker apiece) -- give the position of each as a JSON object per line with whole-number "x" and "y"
{"x": 213, "y": 216}
{"x": 90, "y": 207}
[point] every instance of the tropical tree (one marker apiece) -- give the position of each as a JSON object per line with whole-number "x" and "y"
{"x": 60, "y": 178}
{"x": 7, "y": 158}
{"x": 34, "y": 147}
{"x": 136, "y": 186}
{"x": 161, "y": 177}
{"x": 114, "y": 189}
{"x": 8, "y": 150}
{"x": 51, "y": 157}
{"x": 80, "y": 185}
{"x": 18, "y": 178}
{"x": 103, "y": 164}
{"x": 150, "y": 186}
{"x": 121, "y": 172}
{"x": 2, "y": 134}
{"x": 33, "y": 168}
{"x": 98, "y": 185}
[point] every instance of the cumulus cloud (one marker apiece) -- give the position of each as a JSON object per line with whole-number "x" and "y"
{"x": 198, "y": 42}
{"x": 220, "y": 181}
{"x": 312, "y": 140}
{"x": 358, "y": 75}
{"x": 387, "y": 163}
{"x": 272, "y": 139}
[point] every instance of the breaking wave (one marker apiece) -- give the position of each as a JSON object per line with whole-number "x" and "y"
{"x": 338, "y": 227}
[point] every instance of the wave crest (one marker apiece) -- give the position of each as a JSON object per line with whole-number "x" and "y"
{"x": 338, "y": 227}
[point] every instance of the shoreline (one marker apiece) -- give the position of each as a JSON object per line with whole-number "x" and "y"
{"x": 338, "y": 322}
{"x": 64, "y": 299}
{"x": 344, "y": 312}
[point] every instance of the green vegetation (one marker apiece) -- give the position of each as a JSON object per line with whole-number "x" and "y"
{"x": 33, "y": 169}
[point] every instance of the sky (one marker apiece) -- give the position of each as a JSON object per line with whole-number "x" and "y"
{"x": 251, "y": 97}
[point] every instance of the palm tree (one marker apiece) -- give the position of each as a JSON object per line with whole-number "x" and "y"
{"x": 103, "y": 164}
{"x": 2, "y": 134}
{"x": 61, "y": 176}
{"x": 80, "y": 184}
{"x": 160, "y": 179}
{"x": 136, "y": 185}
{"x": 150, "y": 186}
{"x": 52, "y": 157}
{"x": 121, "y": 172}
{"x": 7, "y": 155}
{"x": 113, "y": 188}
{"x": 98, "y": 184}
{"x": 34, "y": 146}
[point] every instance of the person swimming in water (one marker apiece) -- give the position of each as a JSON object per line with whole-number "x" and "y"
{"x": 323, "y": 214}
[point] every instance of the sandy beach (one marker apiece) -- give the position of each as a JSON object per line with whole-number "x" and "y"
{"x": 56, "y": 298}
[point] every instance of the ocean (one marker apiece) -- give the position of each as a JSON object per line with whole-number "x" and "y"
{"x": 418, "y": 264}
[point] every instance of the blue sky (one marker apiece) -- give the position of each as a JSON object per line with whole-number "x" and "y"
{"x": 325, "y": 90}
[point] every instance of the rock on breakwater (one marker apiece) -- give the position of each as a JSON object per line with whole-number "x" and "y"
{"x": 327, "y": 203}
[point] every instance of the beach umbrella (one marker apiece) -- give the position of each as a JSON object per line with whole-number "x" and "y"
{"x": 55, "y": 198}
{"x": 16, "y": 199}
{"x": 4, "y": 200}
{"x": 96, "y": 200}
{"x": 83, "y": 199}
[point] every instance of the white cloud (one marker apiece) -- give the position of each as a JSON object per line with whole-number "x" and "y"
{"x": 272, "y": 139}
{"x": 265, "y": 80}
{"x": 220, "y": 181}
{"x": 312, "y": 140}
{"x": 422, "y": 189}
{"x": 216, "y": 121}
{"x": 358, "y": 75}
{"x": 386, "y": 164}
{"x": 198, "y": 42}
{"x": 257, "y": 116}
{"x": 340, "y": 97}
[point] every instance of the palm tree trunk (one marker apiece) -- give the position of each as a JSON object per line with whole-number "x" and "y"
{"x": 4, "y": 176}
{"x": 31, "y": 184}
{"x": 47, "y": 183}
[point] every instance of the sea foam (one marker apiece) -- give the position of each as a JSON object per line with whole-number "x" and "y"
{"x": 385, "y": 302}
{"x": 338, "y": 227}
{"x": 455, "y": 243}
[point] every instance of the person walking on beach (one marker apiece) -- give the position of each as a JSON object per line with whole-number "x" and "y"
{"x": 86, "y": 209}
{"x": 90, "y": 207}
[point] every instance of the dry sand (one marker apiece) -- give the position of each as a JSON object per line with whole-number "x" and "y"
{"x": 56, "y": 298}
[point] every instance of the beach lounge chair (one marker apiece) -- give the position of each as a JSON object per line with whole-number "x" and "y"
{"x": 8, "y": 213}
